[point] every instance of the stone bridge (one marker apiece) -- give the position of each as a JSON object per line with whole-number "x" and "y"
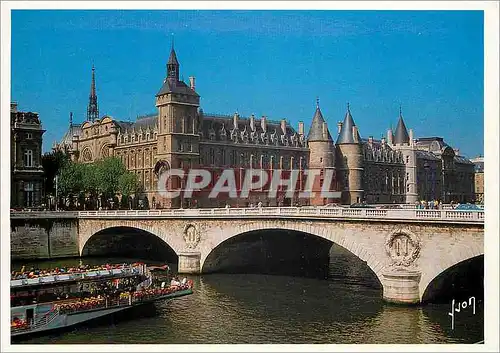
{"x": 405, "y": 248}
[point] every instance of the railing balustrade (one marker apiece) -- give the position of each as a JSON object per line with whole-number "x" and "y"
{"x": 404, "y": 213}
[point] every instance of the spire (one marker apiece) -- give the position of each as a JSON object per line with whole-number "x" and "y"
{"x": 173, "y": 64}
{"x": 346, "y": 132}
{"x": 316, "y": 132}
{"x": 401, "y": 134}
{"x": 70, "y": 119}
{"x": 92, "y": 109}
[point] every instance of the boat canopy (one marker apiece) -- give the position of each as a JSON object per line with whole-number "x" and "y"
{"x": 72, "y": 277}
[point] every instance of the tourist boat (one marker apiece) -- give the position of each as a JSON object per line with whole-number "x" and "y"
{"x": 54, "y": 300}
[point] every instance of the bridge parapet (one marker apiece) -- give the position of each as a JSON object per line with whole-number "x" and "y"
{"x": 368, "y": 214}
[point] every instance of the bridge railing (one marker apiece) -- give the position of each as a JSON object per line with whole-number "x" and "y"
{"x": 299, "y": 212}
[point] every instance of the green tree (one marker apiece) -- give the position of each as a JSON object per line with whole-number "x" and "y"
{"x": 128, "y": 184}
{"x": 52, "y": 163}
{"x": 71, "y": 182}
{"x": 108, "y": 173}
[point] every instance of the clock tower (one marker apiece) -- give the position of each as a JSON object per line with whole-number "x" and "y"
{"x": 178, "y": 137}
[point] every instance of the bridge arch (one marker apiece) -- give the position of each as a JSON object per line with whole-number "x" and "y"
{"x": 331, "y": 234}
{"x": 430, "y": 273}
{"x": 91, "y": 228}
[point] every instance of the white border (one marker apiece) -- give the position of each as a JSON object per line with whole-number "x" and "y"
{"x": 491, "y": 111}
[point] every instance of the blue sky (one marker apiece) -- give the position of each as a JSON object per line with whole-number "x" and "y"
{"x": 272, "y": 63}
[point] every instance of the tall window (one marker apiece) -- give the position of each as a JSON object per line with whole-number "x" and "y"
{"x": 28, "y": 194}
{"x": 212, "y": 156}
{"x": 223, "y": 157}
{"x": 28, "y": 158}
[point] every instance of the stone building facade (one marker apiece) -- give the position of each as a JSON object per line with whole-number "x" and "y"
{"x": 399, "y": 169}
{"x": 478, "y": 179}
{"x": 27, "y": 177}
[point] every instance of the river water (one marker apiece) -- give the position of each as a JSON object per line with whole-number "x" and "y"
{"x": 257, "y": 308}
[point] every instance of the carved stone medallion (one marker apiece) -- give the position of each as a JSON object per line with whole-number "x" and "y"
{"x": 403, "y": 247}
{"x": 191, "y": 236}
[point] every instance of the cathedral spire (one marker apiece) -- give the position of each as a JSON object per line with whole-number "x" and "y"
{"x": 92, "y": 109}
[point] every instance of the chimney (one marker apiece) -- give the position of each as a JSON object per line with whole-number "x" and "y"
{"x": 252, "y": 122}
{"x": 355, "y": 134}
{"x": 263, "y": 123}
{"x": 383, "y": 141}
{"x": 339, "y": 127}
{"x": 191, "y": 82}
{"x": 235, "y": 120}
{"x": 389, "y": 137}
{"x": 13, "y": 107}
{"x": 301, "y": 128}
{"x": 283, "y": 126}
{"x": 325, "y": 130}
{"x": 370, "y": 140}
{"x": 411, "y": 137}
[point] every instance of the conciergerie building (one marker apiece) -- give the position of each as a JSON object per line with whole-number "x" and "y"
{"x": 398, "y": 168}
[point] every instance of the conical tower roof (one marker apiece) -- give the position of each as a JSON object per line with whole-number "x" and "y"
{"x": 401, "y": 134}
{"x": 316, "y": 132}
{"x": 345, "y": 135}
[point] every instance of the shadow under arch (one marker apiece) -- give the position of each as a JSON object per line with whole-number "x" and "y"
{"x": 461, "y": 280}
{"x": 129, "y": 242}
{"x": 287, "y": 252}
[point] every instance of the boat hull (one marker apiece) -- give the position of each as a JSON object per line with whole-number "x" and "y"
{"x": 72, "y": 319}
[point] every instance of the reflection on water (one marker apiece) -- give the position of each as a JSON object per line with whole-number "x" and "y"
{"x": 251, "y": 308}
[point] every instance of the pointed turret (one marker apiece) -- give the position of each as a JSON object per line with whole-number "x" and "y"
{"x": 348, "y": 132}
{"x": 317, "y": 130}
{"x": 401, "y": 134}
{"x": 321, "y": 156}
{"x": 92, "y": 109}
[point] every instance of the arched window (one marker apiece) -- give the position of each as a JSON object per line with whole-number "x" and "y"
{"x": 28, "y": 158}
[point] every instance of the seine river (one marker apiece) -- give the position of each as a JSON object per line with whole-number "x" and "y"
{"x": 254, "y": 309}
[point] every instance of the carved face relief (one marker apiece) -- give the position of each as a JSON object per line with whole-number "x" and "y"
{"x": 191, "y": 236}
{"x": 402, "y": 247}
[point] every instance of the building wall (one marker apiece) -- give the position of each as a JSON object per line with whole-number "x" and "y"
{"x": 27, "y": 180}
{"x": 180, "y": 135}
{"x": 479, "y": 187}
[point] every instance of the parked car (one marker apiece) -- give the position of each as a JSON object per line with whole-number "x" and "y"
{"x": 361, "y": 205}
{"x": 468, "y": 207}
{"x": 332, "y": 205}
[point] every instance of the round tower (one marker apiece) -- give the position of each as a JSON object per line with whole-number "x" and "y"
{"x": 350, "y": 161}
{"x": 321, "y": 157}
{"x": 404, "y": 143}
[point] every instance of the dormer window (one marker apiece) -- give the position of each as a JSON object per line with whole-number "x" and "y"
{"x": 29, "y": 135}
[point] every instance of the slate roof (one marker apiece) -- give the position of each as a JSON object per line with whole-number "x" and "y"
{"x": 316, "y": 130}
{"x": 345, "y": 135}
{"x": 172, "y": 60}
{"x": 171, "y": 85}
{"x": 401, "y": 134}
